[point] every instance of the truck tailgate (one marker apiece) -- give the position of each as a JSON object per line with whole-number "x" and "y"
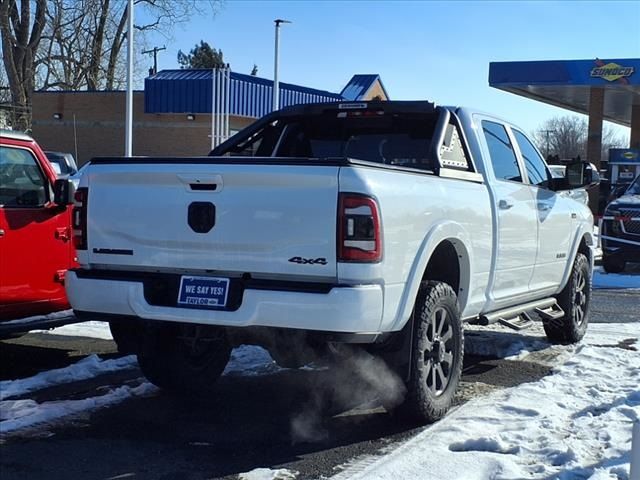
{"x": 267, "y": 220}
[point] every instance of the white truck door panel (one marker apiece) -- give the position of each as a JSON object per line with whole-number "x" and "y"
{"x": 516, "y": 224}
{"x": 554, "y": 225}
{"x": 554, "y": 217}
{"x": 515, "y": 253}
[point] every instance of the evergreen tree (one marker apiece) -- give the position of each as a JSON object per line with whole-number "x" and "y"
{"x": 201, "y": 56}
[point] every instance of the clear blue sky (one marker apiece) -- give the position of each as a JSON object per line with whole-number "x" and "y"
{"x": 432, "y": 50}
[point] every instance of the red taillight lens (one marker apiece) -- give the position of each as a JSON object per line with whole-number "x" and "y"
{"x": 359, "y": 233}
{"x": 80, "y": 219}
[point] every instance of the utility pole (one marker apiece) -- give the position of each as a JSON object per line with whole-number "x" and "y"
{"x": 547, "y": 132}
{"x": 155, "y": 51}
{"x": 276, "y": 84}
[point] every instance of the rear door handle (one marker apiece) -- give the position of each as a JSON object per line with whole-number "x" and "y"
{"x": 543, "y": 207}
{"x": 504, "y": 205}
{"x": 1, "y": 232}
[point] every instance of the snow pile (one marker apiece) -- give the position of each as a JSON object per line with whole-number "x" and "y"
{"x": 601, "y": 279}
{"x": 268, "y": 474}
{"x": 88, "y": 367}
{"x": 84, "y": 329}
{"x": 249, "y": 360}
{"x": 575, "y": 423}
{"x": 20, "y": 414}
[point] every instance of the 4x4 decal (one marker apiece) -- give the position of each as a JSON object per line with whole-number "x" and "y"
{"x": 309, "y": 261}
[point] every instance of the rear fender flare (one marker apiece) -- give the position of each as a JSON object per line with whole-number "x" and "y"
{"x": 445, "y": 231}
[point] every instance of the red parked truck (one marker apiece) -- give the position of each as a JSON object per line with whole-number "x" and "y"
{"x": 36, "y": 246}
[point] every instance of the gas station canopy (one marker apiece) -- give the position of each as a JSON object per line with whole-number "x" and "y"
{"x": 568, "y": 84}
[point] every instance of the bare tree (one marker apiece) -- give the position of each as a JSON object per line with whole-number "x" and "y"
{"x": 84, "y": 39}
{"x": 21, "y": 32}
{"x": 612, "y": 139}
{"x": 566, "y": 138}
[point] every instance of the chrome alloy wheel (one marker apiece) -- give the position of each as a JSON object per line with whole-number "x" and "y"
{"x": 438, "y": 353}
{"x": 580, "y": 299}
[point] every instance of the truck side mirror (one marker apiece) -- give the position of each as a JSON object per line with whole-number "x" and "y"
{"x": 581, "y": 175}
{"x": 578, "y": 175}
{"x": 63, "y": 191}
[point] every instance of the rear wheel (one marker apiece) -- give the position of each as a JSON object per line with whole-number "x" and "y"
{"x": 574, "y": 300}
{"x": 127, "y": 333}
{"x": 184, "y": 358}
{"x": 437, "y": 351}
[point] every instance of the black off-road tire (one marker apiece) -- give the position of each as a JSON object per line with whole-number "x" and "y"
{"x": 437, "y": 353}
{"x": 613, "y": 264}
{"x": 178, "y": 359}
{"x": 575, "y": 300}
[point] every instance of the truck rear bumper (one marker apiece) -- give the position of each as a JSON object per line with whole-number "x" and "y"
{"x": 356, "y": 309}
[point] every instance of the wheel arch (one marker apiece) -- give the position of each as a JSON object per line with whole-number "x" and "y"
{"x": 583, "y": 242}
{"x": 446, "y": 245}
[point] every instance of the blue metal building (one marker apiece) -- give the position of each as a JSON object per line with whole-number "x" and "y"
{"x": 191, "y": 91}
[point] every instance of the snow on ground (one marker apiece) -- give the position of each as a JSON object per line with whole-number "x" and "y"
{"x": 26, "y": 413}
{"x": 575, "y": 423}
{"x": 88, "y": 367}
{"x": 269, "y": 474}
{"x": 249, "y": 360}
{"x": 83, "y": 329}
{"x": 602, "y": 279}
{"x": 18, "y": 414}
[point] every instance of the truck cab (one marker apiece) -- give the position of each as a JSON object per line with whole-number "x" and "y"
{"x": 36, "y": 247}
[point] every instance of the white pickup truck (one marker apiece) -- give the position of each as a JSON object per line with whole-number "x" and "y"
{"x": 387, "y": 224}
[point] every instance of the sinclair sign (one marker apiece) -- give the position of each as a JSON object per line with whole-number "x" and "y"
{"x": 611, "y": 71}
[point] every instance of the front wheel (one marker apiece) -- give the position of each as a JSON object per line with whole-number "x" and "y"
{"x": 574, "y": 300}
{"x": 437, "y": 351}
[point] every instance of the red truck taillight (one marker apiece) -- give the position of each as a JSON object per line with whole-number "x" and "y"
{"x": 359, "y": 233}
{"x": 80, "y": 218}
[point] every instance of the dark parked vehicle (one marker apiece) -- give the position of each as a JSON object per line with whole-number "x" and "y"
{"x": 63, "y": 163}
{"x": 620, "y": 230}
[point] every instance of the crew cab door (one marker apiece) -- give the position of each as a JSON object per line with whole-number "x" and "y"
{"x": 35, "y": 244}
{"x": 555, "y": 222}
{"x": 515, "y": 219}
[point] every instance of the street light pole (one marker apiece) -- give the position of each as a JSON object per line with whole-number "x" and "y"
{"x": 276, "y": 84}
{"x": 128, "y": 144}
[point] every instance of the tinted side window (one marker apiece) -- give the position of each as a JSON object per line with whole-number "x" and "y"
{"x": 536, "y": 169}
{"x": 22, "y": 184}
{"x": 503, "y": 158}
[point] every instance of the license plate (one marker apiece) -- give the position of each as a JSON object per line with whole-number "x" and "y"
{"x": 203, "y": 291}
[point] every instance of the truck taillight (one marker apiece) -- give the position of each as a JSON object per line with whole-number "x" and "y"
{"x": 359, "y": 233}
{"x": 80, "y": 218}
